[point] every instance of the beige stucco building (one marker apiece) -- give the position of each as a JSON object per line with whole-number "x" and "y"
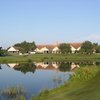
{"x": 47, "y": 49}
{"x": 55, "y": 48}
{"x": 13, "y": 50}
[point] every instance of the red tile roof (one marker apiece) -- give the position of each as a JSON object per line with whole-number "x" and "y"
{"x": 47, "y": 46}
{"x": 76, "y": 45}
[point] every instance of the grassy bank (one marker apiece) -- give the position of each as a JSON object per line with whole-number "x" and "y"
{"x": 84, "y": 85}
{"x": 50, "y": 57}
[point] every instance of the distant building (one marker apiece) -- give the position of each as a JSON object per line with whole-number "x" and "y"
{"x": 55, "y": 48}
{"x": 13, "y": 50}
{"x": 75, "y": 47}
{"x": 47, "y": 49}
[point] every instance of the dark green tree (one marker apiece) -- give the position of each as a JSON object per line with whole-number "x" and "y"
{"x": 3, "y": 52}
{"x": 95, "y": 47}
{"x": 87, "y": 47}
{"x": 25, "y": 47}
{"x": 65, "y": 48}
{"x": 98, "y": 49}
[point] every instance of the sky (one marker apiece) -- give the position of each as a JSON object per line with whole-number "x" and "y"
{"x": 49, "y": 21}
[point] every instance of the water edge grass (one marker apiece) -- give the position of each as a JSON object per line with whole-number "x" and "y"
{"x": 79, "y": 87}
{"x": 12, "y": 93}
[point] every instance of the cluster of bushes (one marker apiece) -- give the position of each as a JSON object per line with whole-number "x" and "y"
{"x": 3, "y": 52}
{"x": 87, "y": 47}
{"x": 90, "y": 48}
{"x": 12, "y": 93}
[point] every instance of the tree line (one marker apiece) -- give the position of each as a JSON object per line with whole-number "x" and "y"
{"x": 87, "y": 47}
{"x": 23, "y": 47}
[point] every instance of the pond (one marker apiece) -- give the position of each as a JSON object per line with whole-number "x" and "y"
{"x": 37, "y": 76}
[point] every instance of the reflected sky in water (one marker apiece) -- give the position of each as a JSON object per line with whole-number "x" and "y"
{"x": 33, "y": 83}
{"x": 35, "y": 77}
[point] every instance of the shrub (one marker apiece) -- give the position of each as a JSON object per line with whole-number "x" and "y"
{"x": 84, "y": 73}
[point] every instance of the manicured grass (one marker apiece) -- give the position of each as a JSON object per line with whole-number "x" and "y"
{"x": 82, "y": 86}
{"x": 50, "y": 57}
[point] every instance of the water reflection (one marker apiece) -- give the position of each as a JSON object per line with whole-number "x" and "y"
{"x": 97, "y": 63}
{"x": 31, "y": 67}
{"x": 58, "y": 66}
{"x": 23, "y": 67}
{"x": 65, "y": 66}
{"x": 57, "y": 80}
{"x": 0, "y": 66}
{"x": 47, "y": 65}
{"x": 73, "y": 66}
{"x": 12, "y": 65}
{"x": 35, "y": 76}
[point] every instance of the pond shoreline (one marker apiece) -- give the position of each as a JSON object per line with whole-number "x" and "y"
{"x": 81, "y": 86}
{"x": 77, "y": 88}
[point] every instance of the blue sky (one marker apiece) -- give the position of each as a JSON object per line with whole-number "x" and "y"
{"x": 49, "y": 21}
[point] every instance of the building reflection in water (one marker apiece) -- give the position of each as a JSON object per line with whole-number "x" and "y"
{"x": 47, "y": 65}
{"x": 12, "y": 65}
{"x": 73, "y": 66}
{"x": 58, "y": 66}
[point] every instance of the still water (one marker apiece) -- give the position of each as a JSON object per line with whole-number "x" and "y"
{"x": 36, "y": 77}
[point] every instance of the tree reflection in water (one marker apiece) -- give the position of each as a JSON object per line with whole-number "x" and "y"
{"x": 0, "y": 66}
{"x": 64, "y": 66}
{"x": 57, "y": 80}
{"x": 25, "y": 67}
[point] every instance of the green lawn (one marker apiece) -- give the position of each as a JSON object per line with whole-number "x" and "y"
{"x": 80, "y": 88}
{"x": 50, "y": 57}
